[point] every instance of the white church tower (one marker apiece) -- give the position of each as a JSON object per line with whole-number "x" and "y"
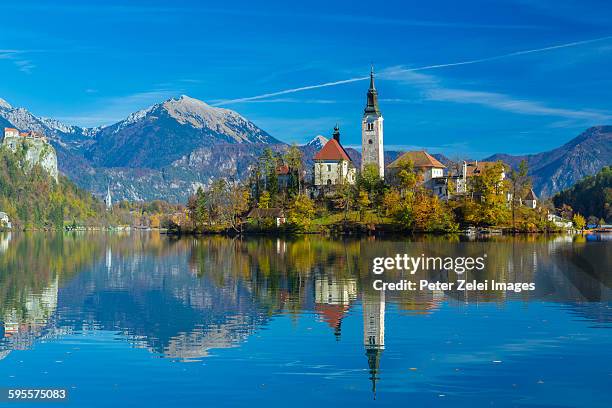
{"x": 372, "y": 148}
{"x": 108, "y": 200}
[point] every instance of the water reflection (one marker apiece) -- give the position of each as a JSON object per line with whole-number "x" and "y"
{"x": 183, "y": 298}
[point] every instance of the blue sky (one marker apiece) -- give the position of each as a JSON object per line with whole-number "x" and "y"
{"x": 93, "y": 63}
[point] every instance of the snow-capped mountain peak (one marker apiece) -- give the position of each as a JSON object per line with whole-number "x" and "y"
{"x": 317, "y": 142}
{"x": 133, "y": 118}
{"x": 188, "y": 110}
{"x": 57, "y": 125}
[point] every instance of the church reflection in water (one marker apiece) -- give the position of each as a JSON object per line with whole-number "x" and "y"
{"x": 182, "y": 298}
{"x": 374, "y": 331}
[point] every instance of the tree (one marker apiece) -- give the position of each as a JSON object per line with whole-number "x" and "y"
{"x": 301, "y": 212}
{"x": 489, "y": 204}
{"x": 363, "y": 201}
{"x": 432, "y": 215}
{"x": 392, "y": 202}
{"x": 237, "y": 205}
{"x": 399, "y": 208}
{"x": 198, "y": 209}
{"x": 344, "y": 197}
{"x": 369, "y": 181}
{"x": 592, "y": 195}
{"x": 269, "y": 162}
{"x": 293, "y": 159}
{"x": 579, "y": 221}
{"x": 520, "y": 184}
{"x": 566, "y": 212}
{"x": 408, "y": 177}
{"x": 264, "y": 200}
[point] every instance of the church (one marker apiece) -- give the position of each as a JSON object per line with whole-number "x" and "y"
{"x": 372, "y": 147}
{"x": 334, "y": 166}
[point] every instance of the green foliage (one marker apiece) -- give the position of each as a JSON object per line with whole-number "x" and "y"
{"x": 579, "y": 221}
{"x": 591, "y": 196}
{"x": 520, "y": 184}
{"x": 264, "y": 200}
{"x": 489, "y": 204}
{"x": 33, "y": 200}
{"x": 433, "y": 215}
{"x": 294, "y": 160}
{"x": 219, "y": 208}
{"x": 301, "y": 212}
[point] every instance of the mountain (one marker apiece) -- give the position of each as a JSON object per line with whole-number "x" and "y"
{"x": 170, "y": 149}
{"x": 165, "y": 151}
{"x": 591, "y": 196}
{"x": 166, "y": 132}
{"x": 317, "y": 142}
{"x": 560, "y": 168}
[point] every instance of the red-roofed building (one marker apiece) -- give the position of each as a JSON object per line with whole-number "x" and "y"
{"x": 11, "y": 132}
{"x": 283, "y": 175}
{"x": 332, "y": 164}
{"x": 429, "y": 168}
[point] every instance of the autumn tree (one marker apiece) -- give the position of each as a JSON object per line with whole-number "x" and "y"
{"x": 489, "y": 192}
{"x": 430, "y": 214}
{"x": 408, "y": 177}
{"x": 264, "y": 200}
{"x": 399, "y": 208}
{"x": 579, "y": 221}
{"x": 363, "y": 202}
{"x": 370, "y": 183}
{"x": 301, "y": 212}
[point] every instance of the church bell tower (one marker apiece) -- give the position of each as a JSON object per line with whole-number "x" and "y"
{"x": 372, "y": 148}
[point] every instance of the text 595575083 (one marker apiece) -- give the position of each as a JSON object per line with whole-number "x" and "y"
{"x": 33, "y": 394}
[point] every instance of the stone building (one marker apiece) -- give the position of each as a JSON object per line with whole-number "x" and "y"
{"x": 429, "y": 168}
{"x": 332, "y": 164}
{"x": 372, "y": 146}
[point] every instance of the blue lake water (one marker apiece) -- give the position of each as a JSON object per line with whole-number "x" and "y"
{"x": 150, "y": 320}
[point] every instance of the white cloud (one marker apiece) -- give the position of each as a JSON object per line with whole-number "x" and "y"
{"x": 432, "y": 89}
{"x": 17, "y": 58}
{"x": 507, "y": 103}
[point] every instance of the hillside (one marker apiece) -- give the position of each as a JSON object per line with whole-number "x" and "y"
{"x": 560, "y": 168}
{"x": 591, "y": 196}
{"x": 32, "y": 198}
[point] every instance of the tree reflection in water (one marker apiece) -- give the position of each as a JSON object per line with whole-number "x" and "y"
{"x": 182, "y": 297}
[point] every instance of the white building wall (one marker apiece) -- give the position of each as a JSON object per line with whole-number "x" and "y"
{"x": 335, "y": 172}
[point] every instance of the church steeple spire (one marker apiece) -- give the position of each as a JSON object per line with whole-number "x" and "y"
{"x": 372, "y": 102}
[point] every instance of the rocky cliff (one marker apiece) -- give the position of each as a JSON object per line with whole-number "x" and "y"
{"x": 36, "y": 150}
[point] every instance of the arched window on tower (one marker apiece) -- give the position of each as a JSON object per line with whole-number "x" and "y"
{"x": 370, "y": 141}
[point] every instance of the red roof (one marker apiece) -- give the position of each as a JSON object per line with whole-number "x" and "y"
{"x": 332, "y": 314}
{"x": 283, "y": 169}
{"x": 419, "y": 159}
{"x": 332, "y": 151}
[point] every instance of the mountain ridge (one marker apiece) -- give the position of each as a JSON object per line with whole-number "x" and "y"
{"x": 171, "y": 148}
{"x": 560, "y": 168}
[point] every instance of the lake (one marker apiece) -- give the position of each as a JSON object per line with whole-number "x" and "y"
{"x": 142, "y": 319}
